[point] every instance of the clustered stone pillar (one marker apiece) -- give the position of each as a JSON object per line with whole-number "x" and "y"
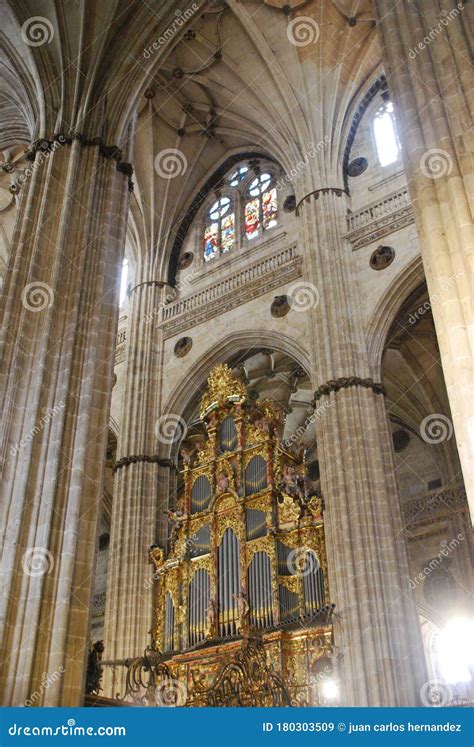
{"x": 427, "y": 56}
{"x": 59, "y": 329}
{"x": 141, "y": 477}
{"x": 377, "y": 629}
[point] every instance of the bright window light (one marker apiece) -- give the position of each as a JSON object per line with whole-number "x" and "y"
{"x": 454, "y": 650}
{"x": 330, "y": 690}
{"x": 385, "y": 135}
{"x": 123, "y": 282}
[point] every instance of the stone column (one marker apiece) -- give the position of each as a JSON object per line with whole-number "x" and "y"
{"x": 427, "y": 59}
{"x": 140, "y": 490}
{"x": 59, "y": 326}
{"x": 377, "y": 629}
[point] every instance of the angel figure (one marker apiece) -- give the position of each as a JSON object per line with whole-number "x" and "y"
{"x": 293, "y": 484}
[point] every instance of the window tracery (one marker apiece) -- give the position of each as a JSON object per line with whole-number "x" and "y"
{"x": 245, "y": 206}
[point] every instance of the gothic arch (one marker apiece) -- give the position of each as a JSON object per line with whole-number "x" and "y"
{"x": 184, "y": 393}
{"x": 383, "y": 316}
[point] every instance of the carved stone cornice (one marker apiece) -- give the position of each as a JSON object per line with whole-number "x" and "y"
{"x": 109, "y": 152}
{"x": 372, "y": 222}
{"x": 335, "y": 385}
{"x": 153, "y": 459}
{"x": 262, "y": 284}
{"x": 338, "y": 191}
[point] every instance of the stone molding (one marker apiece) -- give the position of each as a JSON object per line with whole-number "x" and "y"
{"x": 437, "y": 504}
{"x": 135, "y": 459}
{"x": 380, "y": 218}
{"x": 109, "y": 152}
{"x": 231, "y": 292}
{"x": 338, "y": 191}
{"x": 335, "y": 385}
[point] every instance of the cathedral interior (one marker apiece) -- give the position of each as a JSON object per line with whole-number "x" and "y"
{"x": 237, "y": 405}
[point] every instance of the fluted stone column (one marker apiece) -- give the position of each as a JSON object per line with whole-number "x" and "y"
{"x": 140, "y": 489}
{"x": 377, "y": 629}
{"x": 59, "y": 326}
{"x": 427, "y": 55}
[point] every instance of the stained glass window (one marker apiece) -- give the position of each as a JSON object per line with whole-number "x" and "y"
{"x": 252, "y": 218}
{"x": 269, "y": 206}
{"x": 251, "y": 199}
{"x": 262, "y": 210}
{"x": 385, "y": 135}
{"x": 219, "y": 236}
{"x": 227, "y": 232}
{"x": 210, "y": 241}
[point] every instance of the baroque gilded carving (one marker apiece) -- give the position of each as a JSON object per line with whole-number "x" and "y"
{"x": 212, "y": 613}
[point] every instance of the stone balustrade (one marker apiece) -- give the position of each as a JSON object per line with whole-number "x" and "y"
{"x": 380, "y": 218}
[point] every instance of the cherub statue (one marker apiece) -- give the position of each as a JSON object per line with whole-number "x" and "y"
{"x": 188, "y": 452}
{"x": 293, "y": 484}
{"x": 223, "y": 482}
{"x": 177, "y": 517}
